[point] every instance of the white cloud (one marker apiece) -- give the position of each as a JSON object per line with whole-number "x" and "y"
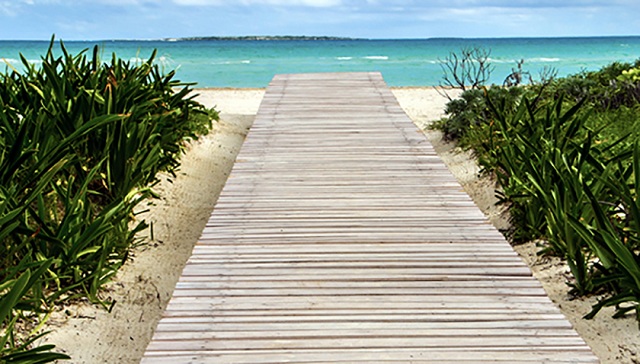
{"x": 130, "y": 2}
{"x": 8, "y": 8}
{"x": 308, "y": 3}
{"x": 359, "y": 18}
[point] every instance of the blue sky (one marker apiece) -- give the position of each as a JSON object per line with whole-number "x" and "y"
{"x": 154, "y": 19}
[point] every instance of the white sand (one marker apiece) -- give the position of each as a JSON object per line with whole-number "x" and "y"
{"x": 142, "y": 289}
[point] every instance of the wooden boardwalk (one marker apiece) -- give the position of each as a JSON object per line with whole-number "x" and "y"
{"x": 341, "y": 237}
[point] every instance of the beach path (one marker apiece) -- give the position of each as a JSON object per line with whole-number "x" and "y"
{"x": 341, "y": 237}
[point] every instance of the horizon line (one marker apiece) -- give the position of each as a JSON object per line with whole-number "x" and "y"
{"x": 309, "y": 38}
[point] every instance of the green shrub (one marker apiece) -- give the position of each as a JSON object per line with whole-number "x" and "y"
{"x": 81, "y": 143}
{"x": 614, "y": 234}
{"x": 606, "y": 89}
{"x": 469, "y": 111}
{"x": 568, "y": 168}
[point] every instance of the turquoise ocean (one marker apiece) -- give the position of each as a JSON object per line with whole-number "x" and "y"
{"x": 245, "y": 63}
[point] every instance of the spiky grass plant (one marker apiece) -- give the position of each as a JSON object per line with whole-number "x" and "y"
{"x": 81, "y": 143}
{"x": 570, "y": 173}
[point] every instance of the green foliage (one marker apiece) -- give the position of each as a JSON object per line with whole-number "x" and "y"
{"x": 81, "y": 143}
{"x": 605, "y": 89}
{"x": 471, "y": 109}
{"x": 16, "y": 299}
{"x": 567, "y": 157}
{"x": 630, "y": 75}
{"x": 545, "y": 156}
{"x": 613, "y": 235}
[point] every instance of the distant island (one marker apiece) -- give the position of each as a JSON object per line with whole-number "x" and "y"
{"x": 262, "y": 37}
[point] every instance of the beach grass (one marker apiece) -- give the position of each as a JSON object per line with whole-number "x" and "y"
{"x": 81, "y": 144}
{"x": 566, "y": 155}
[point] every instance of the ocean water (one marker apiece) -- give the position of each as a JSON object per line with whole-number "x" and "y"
{"x": 242, "y": 63}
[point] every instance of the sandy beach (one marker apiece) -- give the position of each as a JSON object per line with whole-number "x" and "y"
{"x": 90, "y": 334}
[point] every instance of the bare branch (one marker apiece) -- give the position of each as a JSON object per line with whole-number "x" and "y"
{"x": 468, "y": 69}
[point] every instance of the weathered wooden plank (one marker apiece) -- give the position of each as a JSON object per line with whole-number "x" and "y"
{"x": 342, "y": 237}
{"x": 204, "y": 270}
{"x": 328, "y": 331}
{"x": 380, "y": 309}
{"x": 418, "y": 343}
{"x": 381, "y": 321}
{"x": 521, "y": 355}
{"x": 363, "y": 302}
{"x": 445, "y": 248}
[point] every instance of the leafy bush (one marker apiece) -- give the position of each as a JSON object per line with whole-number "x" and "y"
{"x": 17, "y": 296}
{"x": 471, "y": 110}
{"x": 81, "y": 143}
{"x": 569, "y": 169}
{"x": 605, "y": 89}
{"x": 613, "y": 234}
{"x": 629, "y": 75}
{"x": 544, "y": 158}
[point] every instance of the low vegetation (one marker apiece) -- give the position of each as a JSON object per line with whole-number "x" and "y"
{"x": 566, "y": 153}
{"x": 81, "y": 144}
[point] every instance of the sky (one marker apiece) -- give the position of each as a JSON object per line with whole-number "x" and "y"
{"x": 381, "y": 19}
